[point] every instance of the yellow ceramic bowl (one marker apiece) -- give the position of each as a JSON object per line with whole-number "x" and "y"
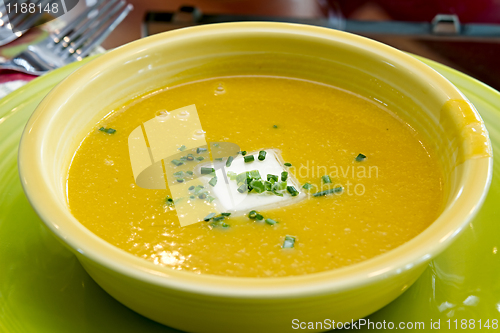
{"x": 204, "y": 303}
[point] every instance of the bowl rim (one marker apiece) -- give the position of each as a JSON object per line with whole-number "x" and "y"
{"x": 416, "y": 252}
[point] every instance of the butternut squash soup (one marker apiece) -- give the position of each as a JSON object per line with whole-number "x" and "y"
{"x": 329, "y": 178}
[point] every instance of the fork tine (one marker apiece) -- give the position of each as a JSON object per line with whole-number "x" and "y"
{"x": 31, "y": 20}
{"x": 15, "y": 23}
{"x": 86, "y": 24}
{"x": 58, "y": 35}
{"x": 102, "y": 34}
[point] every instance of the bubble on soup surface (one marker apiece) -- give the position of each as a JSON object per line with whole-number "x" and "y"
{"x": 220, "y": 89}
{"x": 162, "y": 115}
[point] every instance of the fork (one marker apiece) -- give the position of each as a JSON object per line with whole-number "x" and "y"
{"x": 73, "y": 42}
{"x": 17, "y": 23}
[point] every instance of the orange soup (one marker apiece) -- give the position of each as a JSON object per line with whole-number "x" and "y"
{"x": 366, "y": 181}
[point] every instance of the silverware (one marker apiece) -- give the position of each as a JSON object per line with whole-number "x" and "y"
{"x": 73, "y": 42}
{"x": 18, "y": 20}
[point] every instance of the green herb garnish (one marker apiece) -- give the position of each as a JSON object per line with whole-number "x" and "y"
{"x": 202, "y": 195}
{"x": 177, "y": 162}
{"x": 326, "y": 179}
{"x": 225, "y": 214}
{"x": 329, "y": 191}
{"x": 210, "y": 198}
{"x": 272, "y": 178}
{"x": 213, "y": 181}
{"x": 180, "y": 180}
{"x": 190, "y": 172}
{"x": 249, "y": 158}
{"x": 360, "y": 158}
{"x": 257, "y": 186}
{"x": 207, "y": 171}
{"x": 209, "y": 217}
{"x": 289, "y": 242}
{"x": 229, "y": 161}
{"x": 288, "y": 164}
{"x": 182, "y": 148}
{"x": 216, "y": 145}
{"x": 200, "y": 158}
{"x": 243, "y": 188}
{"x": 307, "y": 186}
{"x": 252, "y": 214}
{"x": 200, "y": 150}
{"x": 262, "y": 155}
{"x": 169, "y": 201}
{"x": 107, "y": 130}
{"x": 219, "y": 224}
{"x": 271, "y": 221}
{"x": 255, "y": 174}
{"x": 284, "y": 176}
{"x": 292, "y": 191}
{"x": 243, "y": 152}
{"x": 190, "y": 157}
{"x": 275, "y": 126}
{"x": 218, "y": 159}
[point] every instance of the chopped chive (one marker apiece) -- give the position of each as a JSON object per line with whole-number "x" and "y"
{"x": 268, "y": 185}
{"x": 225, "y": 214}
{"x": 360, "y": 157}
{"x": 243, "y": 152}
{"x": 262, "y": 155}
{"x": 289, "y": 242}
{"x": 259, "y": 217}
{"x": 219, "y": 224}
{"x": 243, "y": 188}
{"x": 255, "y": 174}
{"x": 209, "y": 217}
{"x": 180, "y": 180}
{"x": 182, "y": 148}
{"x": 258, "y": 186}
{"x": 271, "y": 221}
{"x": 284, "y": 175}
{"x": 229, "y": 161}
{"x": 207, "y": 171}
{"x": 277, "y": 193}
{"x": 272, "y": 177}
{"x": 192, "y": 197}
{"x": 189, "y": 172}
{"x": 169, "y": 201}
{"x": 216, "y": 145}
{"x": 179, "y": 173}
{"x": 275, "y": 126}
{"x": 249, "y": 158}
{"x": 183, "y": 158}
{"x": 218, "y": 218}
{"x": 213, "y": 181}
{"x": 191, "y": 188}
{"x": 202, "y": 195}
{"x": 177, "y": 162}
{"x": 200, "y": 150}
{"x": 210, "y": 198}
{"x": 288, "y": 164}
{"x": 307, "y": 186}
{"x": 242, "y": 178}
{"x": 107, "y": 130}
{"x": 190, "y": 157}
{"x": 326, "y": 179}
{"x": 218, "y": 159}
{"x": 329, "y": 191}
{"x": 279, "y": 186}
{"x": 292, "y": 191}
{"x": 252, "y": 214}
{"x": 232, "y": 175}
{"x": 200, "y": 158}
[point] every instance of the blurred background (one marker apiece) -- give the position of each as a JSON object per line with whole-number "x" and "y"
{"x": 462, "y": 34}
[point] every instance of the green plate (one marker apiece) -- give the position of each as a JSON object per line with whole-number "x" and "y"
{"x": 43, "y": 288}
